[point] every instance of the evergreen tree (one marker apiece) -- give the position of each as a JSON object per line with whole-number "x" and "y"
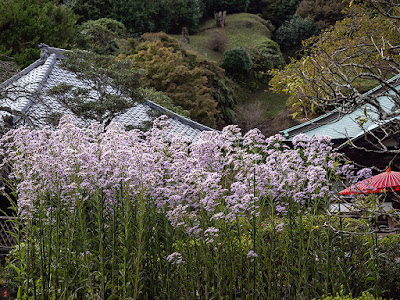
{"x": 26, "y": 23}
{"x": 140, "y": 16}
{"x": 293, "y": 32}
{"x": 231, "y": 6}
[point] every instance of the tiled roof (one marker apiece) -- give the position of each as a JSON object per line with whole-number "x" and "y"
{"x": 38, "y": 78}
{"x": 346, "y": 126}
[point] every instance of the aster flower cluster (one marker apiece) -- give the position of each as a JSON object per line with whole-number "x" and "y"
{"x": 149, "y": 201}
{"x": 224, "y": 175}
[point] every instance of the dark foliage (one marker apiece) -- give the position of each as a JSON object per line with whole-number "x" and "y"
{"x": 231, "y": 6}
{"x": 100, "y": 36}
{"x": 8, "y": 68}
{"x": 26, "y": 23}
{"x": 324, "y": 12}
{"x": 237, "y": 60}
{"x": 93, "y": 9}
{"x": 140, "y": 16}
{"x": 293, "y": 32}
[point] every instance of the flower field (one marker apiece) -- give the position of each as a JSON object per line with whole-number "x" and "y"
{"x": 116, "y": 214}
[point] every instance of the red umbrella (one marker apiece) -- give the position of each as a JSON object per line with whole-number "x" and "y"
{"x": 385, "y": 182}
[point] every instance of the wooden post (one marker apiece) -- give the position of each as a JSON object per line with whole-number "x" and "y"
{"x": 220, "y": 18}
{"x": 185, "y": 35}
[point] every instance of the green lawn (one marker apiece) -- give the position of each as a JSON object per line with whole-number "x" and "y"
{"x": 241, "y": 30}
{"x": 272, "y": 103}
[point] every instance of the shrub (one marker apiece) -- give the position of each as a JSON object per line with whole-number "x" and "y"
{"x": 342, "y": 296}
{"x": 237, "y": 60}
{"x": 293, "y": 32}
{"x": 266, "y": 57}
{"x": 101, "y": 36}
{"x": 218, "y": 40}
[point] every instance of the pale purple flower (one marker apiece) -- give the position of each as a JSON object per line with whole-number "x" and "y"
{"x": 279, "y": 227}
{"x": 252, "y": 255}
{"x": 217, "y": 179}
{"x": 175, "y": 258}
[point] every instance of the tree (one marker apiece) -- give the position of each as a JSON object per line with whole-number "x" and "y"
{"x": 181, "y": 13}
{"x": 26, "y": 23}
{"x": 110, "y": 86}
{"x": 137, "y": 15}
{"x": 92, "y": 9}
{"x": 293, "y": 32}
{"x": 140, "y": 16}
{"x": 231, "y": 6}
{"x": 270, "y": 10}
{"x": 100, "y": 36}
{"x": 196, "y": 84}
{"x": 324, "y": 12}
{"x": 252, "y": 116}
{"x": 168, "y": 71}
{"x": 346, "y": 62}
{"x": 287, "y": 8}
{"x": 279, "y": 11}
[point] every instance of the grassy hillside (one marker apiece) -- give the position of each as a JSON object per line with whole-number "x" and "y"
{"x": 241, "y": 30}
{"x": 257, "y": 106}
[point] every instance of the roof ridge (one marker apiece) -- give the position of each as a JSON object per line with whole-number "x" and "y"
{"x": 178, "y": 117}
{"x": 25, "y": 71}
{"x": 50, "y": 62}
{"x": 44, "y": 73}
{"x": 46, "y": 51}
{"x": 42, "y": 61}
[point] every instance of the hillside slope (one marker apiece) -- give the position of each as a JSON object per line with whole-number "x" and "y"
{"x": 257, "y": 106}
{"x": 242, "y": 30}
